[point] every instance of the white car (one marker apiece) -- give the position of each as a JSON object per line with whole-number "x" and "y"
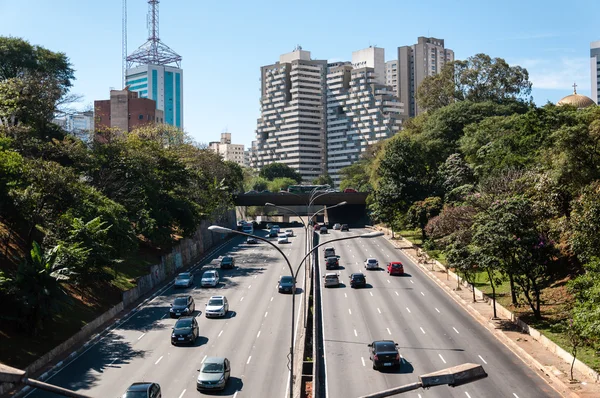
{"x": 371, "y": 263}
{"x": 289, "y": 232}
{"x": 337, "y": 226}
{"x": 282, "y": 238}
{"x": 217, "y": 306}
{"x": 210, "y": 278}
{"x": 185, "y": 279}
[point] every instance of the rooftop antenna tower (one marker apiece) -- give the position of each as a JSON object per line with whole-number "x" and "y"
{"x": 124, "y": 42}
{"x": 153, "y": 51}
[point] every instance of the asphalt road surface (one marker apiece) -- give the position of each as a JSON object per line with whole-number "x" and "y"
{"x": 255, "y": 335}
{"x": 432, "y": 331}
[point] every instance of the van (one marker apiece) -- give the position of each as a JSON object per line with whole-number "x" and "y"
{"x": 329, "y": 251}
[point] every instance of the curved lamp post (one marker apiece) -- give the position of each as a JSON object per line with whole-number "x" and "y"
{"x": 224, "y": 230}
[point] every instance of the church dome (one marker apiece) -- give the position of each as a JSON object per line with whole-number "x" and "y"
{"x": 577, "y": 100}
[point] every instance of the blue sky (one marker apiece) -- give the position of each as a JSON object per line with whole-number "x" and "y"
{"x": 223, "y": 43}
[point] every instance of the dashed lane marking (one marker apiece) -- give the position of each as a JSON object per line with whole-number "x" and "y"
{"x": 438, "y": 310}
{"x": 183, "y": 392}
{"x": 378, "y": 310}
{"x": 156, "y": 363}
{"x": 220, "y": 333}
{"x": 363, "y": 361}
{"x": 389, "y": 331}
{"x": 349, "y": 311}
{"x": 455, "y": 330}
{"x": 142, "y": 335}
{"x": 442, "y": 358}
{"x": 371, "y": 293}
{"x": 242, "y": 299}
{"x": 258, "y": 334}
{"x": 422, "y": 330}
{"x": 248, "y": 361}
{"x": 422, "y": 294}
{"x": 356, "y": 334}
{"x": 396, "y": 293}
{"x": 485, "y": 362}
{"x": 407, "y": 309}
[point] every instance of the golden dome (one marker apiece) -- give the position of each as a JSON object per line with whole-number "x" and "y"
{"x": 577, "y": 100}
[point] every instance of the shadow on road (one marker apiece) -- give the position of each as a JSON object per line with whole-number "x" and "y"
{"x": 404, "y": 368}
{"x": 146, "y": 319}
{"x": 234, "y": 385}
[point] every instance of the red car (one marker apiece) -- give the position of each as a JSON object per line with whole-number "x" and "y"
{"x": 395, "y": 268}
{"x": 350, "y": 190}
{"x": 317, "y": 227}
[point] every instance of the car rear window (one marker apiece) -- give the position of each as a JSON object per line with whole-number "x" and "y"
{"x": 396, "y": 265}
{"x": 358, "y": 277}
{"x": 385, "y": 347}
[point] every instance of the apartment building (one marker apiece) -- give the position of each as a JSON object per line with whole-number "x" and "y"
{"x": 229, "y": 151}
{"x": 361, "y": 111}
{"x": 415, "y": 63}
{"x": 292, "y": 125}
{"x": 595, "y": 70}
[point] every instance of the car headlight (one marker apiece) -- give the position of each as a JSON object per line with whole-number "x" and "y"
{"x": 186, "y": 310}
{"x": 190, "y": 335}
{"x": 222, "y": 379}
{"x": 173, "y": 335}
{"x": 172, "y": 310}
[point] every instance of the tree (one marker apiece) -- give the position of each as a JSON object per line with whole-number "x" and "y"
{"x": 275, "y": 170}
{"x": 356, "y": 176}
{"x": 281, "y": 183}
{"x": 324, "y": 179}
{"x": 585, "y": 223}
{"x": 421, "y": 212}
{"x": 480, "y": 78}
{"x": 586, "y": 310}
{"x": 259, "y": 184}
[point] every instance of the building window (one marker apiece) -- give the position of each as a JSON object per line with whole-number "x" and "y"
{"x": 141, "y": 117}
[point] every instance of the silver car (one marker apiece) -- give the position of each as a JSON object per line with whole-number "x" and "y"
{"x": 210, "y": 278}
{"x": 217, "y": 306}
{"x": 371, "y": 263}
{"x": 214, "y": 374}
{"x": 184, "y": 279}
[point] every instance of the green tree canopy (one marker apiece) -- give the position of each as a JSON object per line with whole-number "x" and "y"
{"x": 276, "y": 170}
{"x": 324, "y": 179}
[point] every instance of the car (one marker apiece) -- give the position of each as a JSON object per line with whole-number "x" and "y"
{"x": 247, "y": 229}
{"x": 331, "y": 279}
{"x": 217, "y": 306}
{"x": 282, "y": 238}
{"x": 323, "y": 230}
{"x": 184, "y": 279}
{"x": 276, "y": 228}
{"x": 344, "y": 227}
{"x": 371, "y": 263}
{"x": 185, "y": 331}
{"x": 289, "y": 232}
{"x": 273, "y": 233}
{"x": 286, "y": 284}
{"x": 210, "y": 278}
{"x": 395, "y": 268}
{"x": 227, "y": 262}
{"x": 182, "y": 306}
{"x": 350, "y": 190}
{"x": 384, "y": 353}
{"x": 332, "y": 262}
{"x": 317, "y": 227}
{"x": 357, "y": 280}
{"x": 251, "y": 240}
{"x": 143, "y": 390}
{"x": 213, "y": 374}
{"x": 337, "y": 226}
{"x": 329, "y": 251}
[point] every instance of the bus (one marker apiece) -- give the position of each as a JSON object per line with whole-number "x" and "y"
{"x": 305, "y": 188}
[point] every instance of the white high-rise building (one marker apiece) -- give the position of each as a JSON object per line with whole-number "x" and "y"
{"x": 292, "y": 126}
{"x": 372, "y": 57}
{"x": 229, "y": 151}
{"x": 595, "y": 70}
{"x": 391, "y": 75}
{"x": 360, "y": 112}
{"x": 163, "y": 84}
{"x": 80, "y": 124}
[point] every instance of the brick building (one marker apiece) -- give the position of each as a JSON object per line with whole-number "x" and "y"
{"x": 125, "y": 111}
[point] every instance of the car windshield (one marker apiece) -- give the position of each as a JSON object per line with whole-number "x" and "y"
{"x": 184, "y": 276}
{"x": 212, "y": 368}
{"x": 358, "y": 277}
{"x": 215, "y": 302}
{"x": 331, "y": 277}
{"x": 209, "y": 275}
{"x": 286, "y": 279}
{"x": 180, "y": 301}
{"x": 227, "y": 259}
{"x": 183, "y": 324}
{"x": 385, "y": 347}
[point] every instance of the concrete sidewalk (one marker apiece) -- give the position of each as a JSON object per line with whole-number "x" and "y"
{"x": 548, "y": 365}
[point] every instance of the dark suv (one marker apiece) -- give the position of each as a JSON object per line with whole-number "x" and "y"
{"x": 227, "y": 262}
{"x": 344, "y": 227}
{"x": 358, "y": 280}
{"x": 185, "y": 331}
{"x": 182, "y": 306}
{"x": 143, "y": 390}
{"x": 332, "y": 262}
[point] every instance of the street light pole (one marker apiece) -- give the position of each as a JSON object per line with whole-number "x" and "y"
{"x": 223, "y": 230}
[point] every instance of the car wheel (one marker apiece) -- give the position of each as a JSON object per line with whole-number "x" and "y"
{"x": 374, "y": 366}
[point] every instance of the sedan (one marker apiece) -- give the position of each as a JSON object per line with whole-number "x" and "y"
{"x": 395, "y": 268}
{"x": 185, "y": 279}
{"x": 384, "y": 353}
{"x": 283, "y": 239}
{"x": 251, "y": 240}
{"x": 217, "y": 306}
{"x": 183, "y": 305}
{"x": 214, "y": 374}
{"x": 286, "y": 284}
{"x": 143, "y": 390}
{"x": 371, "y": 263}
{"x": 227, "y": 262}
{"x": 332, "y": 280}
{"x": 185, "y": 331}
{"x": 358, "y": 280}
{"x": 210, "y": 278}
{"x": 289, "y": 232}
{"x": 337, "y": 226}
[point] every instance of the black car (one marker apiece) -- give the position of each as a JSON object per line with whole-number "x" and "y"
{"x": 227, "y": 262}
{"x": 143, "y": 390}
{"x": 358, "y": 280}
{"x": 273, "y": 234}
{"x": 344, "y": 227}
{"x": 332, "y": 262}
{"x": 286, "y": 284}
{"x": 182, "y": 306}
{"x": 384, "y": 354}
{"x": 185, "y": 331}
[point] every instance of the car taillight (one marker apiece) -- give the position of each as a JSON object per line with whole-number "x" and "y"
{"x": 375, "y": 357}
{"x": 397, "y": 357}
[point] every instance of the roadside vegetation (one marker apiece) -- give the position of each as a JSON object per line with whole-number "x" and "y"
{"x": 81, "y": 219}
{"x": 502, "y": 191}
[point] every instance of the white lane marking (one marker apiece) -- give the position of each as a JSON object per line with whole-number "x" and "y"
{"x": 156, "y": 363}
{"x": 363, "y": 361}
{"x": 516, "y": 396}
{"x": 220, "y": 333}
{"x": 349, "y": 311}
{"x": 248, "y": 361}
{"x": 345, "y": 295}
{"x": 485, "y": 362}
{"x": 422, "y": 330}
{"x": 356, "y": 334}
{"x": 422, "y": 294}
{"x": 203, "y": 359}
{"x": 242, "y": 299}
{"x": 235, "y": 395}
{"x": 249, "y": 286}
{"x": 163, "y": 316}
{"x": 378, "y": 310}
{"x": 467, "y": 394}
{"x": 255, "y": 276}
{"x": 388, "y": 329}
{"x": 407, "y": 309}
{"x": 455, "y": 330}
{"x": 183, "y": 392}
{"x": 371, "y": 293}
{"x": 442, "y": 358}
{"x": 411, "y": 281}
{"x": 266, "y": 313}
{"x": 396, "y": 293}
{"x": 389, "y": 281}
{"x": 353, "y": 255}
{"x": 143, "y": 334}
{"x": 438, "y": 310}
{"x": 258, "y": 334}
{"x": 271, "y": 298}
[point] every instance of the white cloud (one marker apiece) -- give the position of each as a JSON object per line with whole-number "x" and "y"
{"x": 558, "y": 73}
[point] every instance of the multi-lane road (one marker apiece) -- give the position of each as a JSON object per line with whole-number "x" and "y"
{"x": 431, "y": 330}
{"x": 255, "y": 336}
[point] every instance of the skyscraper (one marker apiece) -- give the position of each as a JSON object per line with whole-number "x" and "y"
{"x": 595, "y": 70}
{"x": 415, "y": 63}
{"x": 291, "y": 129}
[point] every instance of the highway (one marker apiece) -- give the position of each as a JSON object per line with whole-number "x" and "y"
{"x": 432, "y": 331}
{"x": 255, "y": 336}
